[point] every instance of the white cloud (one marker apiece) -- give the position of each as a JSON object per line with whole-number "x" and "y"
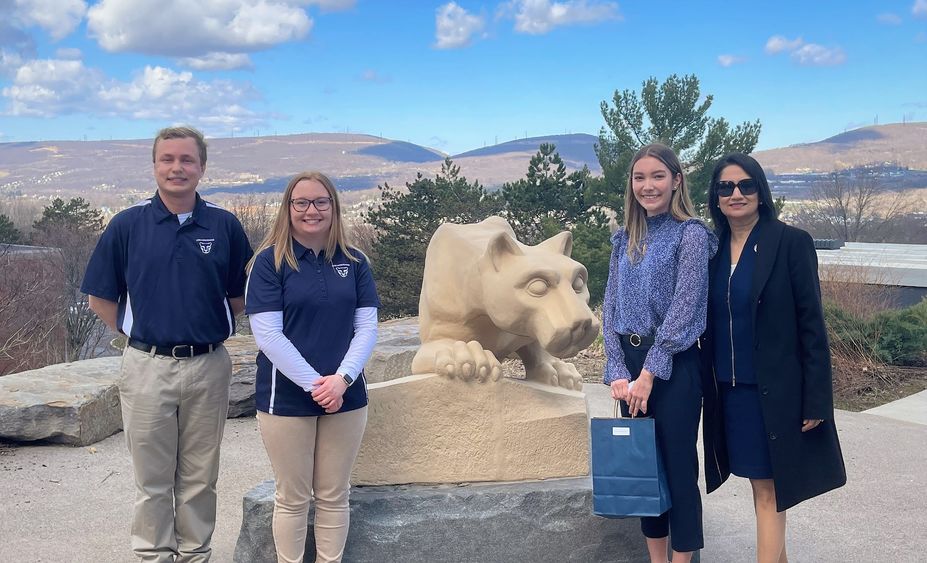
{"x": 540, "y": 16}
{"x": 57, "y": 17}
{"x": 52, "y": 87}
{"x": 49, "y": 87}
{"x": 69, "y": 53}
{"x": 919, "y": 9}
{"x": 889, "y": 18}
{"x": 10, "y": 60}
{"x": 454, "y": 26}
{"x": 818, "y": 55}
{"x": 730, "y": 60}
{"x": 806, "y": 54}
{"x": 333, "y": 5}
{"x": 193, "y": 29}
{"x": 371, "y": 75}
{"x": 778, "y": 43}
{"x": 216, "y": 61}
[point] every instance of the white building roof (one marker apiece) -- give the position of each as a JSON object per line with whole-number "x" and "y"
{"x": 882, "y": 263}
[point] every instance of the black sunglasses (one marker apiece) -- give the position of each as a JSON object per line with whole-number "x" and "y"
{"x": 747, "y": 186}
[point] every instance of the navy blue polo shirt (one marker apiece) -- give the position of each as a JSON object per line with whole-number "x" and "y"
{"x": 318, "y": 303}
{"x": 172, "y": 282}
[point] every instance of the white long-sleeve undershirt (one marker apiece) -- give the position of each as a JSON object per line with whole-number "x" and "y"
{"x": 267, "y": 329}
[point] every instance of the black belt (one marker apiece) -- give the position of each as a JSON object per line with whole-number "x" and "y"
{"x": 637, "y": 340}
{"x": 177, "y": 352}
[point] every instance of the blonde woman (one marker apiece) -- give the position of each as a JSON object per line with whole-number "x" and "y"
{"x": 653, "y": 314}
{"x": 313, "y": 305}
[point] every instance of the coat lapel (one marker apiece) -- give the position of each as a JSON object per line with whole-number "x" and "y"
{"x": 767, "y": 246}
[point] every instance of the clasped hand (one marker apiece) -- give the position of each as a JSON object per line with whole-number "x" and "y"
{"x": 635, "y": 395}
{"x": 329, "y": 392}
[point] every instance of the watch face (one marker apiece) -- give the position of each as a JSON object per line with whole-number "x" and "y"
{"x": 348, "y": 379}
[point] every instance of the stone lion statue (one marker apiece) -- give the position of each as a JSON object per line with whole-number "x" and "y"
{"x": 486, "y": 296}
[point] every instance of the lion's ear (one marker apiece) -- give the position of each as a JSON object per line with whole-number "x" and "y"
{"x": 500, "y": 247}
{"x": 561, "y": 243}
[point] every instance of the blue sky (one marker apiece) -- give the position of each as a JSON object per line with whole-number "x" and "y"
{"x": 452, "y": 76}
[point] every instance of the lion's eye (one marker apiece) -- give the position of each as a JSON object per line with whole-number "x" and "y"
{"x": 578, "y": 284}
{"x": 538, "y": 287}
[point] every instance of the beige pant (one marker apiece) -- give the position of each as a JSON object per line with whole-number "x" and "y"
{"x": 312, "y": 454}
{"x": 173, "y": 413}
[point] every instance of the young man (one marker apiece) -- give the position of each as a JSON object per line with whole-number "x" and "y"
{"x": 169, "y": 273}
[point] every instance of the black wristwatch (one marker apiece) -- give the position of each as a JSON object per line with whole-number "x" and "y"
{"x": 348, "y": 380}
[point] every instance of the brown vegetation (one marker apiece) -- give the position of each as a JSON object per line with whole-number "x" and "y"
{"x": 32, "y": 330}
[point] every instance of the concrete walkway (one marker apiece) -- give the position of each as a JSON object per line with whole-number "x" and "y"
{"x": 877, "y": 516}
{"x": 912, "y": 408}
{"x": 74, "y": 504}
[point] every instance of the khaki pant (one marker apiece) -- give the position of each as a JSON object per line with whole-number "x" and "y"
{"x": 312, "y": 455}
{"x": 173, "y": 413}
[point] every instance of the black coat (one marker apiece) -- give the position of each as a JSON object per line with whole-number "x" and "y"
{"x": 793, "y": 370}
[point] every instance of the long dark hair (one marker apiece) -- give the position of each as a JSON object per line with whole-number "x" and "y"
{"x": 767, "y": 208}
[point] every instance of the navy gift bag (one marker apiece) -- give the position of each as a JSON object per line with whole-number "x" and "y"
{"x": 628, "y": 479}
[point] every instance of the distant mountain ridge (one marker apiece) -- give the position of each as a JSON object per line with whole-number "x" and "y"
{"x": 904, "y": 144}
{"x": 118, "y": 172}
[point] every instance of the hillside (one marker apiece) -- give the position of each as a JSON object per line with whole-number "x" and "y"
{"x": 901, "y": 143}
{"x": 118, "y": 172}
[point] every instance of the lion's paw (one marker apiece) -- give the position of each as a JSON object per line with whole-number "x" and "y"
{"x": 558, "y": 373}
{"x": 466, "y": 361}
{"x": 568, "y": 376}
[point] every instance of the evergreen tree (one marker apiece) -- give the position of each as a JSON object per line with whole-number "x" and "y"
{"x": 675, "y": 114}
{"x": 405, "y": 222}
{"x": 76, "y": 217}
{"x": 548, "y": 200}
{"x": 9, "y": 234}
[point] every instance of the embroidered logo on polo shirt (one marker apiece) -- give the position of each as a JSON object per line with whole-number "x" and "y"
{"x": 342, "y": 269}
{"x": 205, "y": 244}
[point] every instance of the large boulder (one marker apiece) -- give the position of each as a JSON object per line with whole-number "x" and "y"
{"x": 78, "y": 403}
{"x": 242, "y": 350}
{"x": 434, "y": 429}
{"x": 397, "y": 343}
{"x": 499, "y": 522}
{"x": 75, "y": 403}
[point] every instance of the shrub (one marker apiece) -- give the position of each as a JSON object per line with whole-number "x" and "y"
{"x": 902, "y": 335}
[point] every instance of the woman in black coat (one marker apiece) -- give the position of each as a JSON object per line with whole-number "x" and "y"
{"x": 768, "y": 410}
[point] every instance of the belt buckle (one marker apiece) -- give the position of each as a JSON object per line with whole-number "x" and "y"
{"x": 635, "y": 339}
{"x": 182, "y": 347}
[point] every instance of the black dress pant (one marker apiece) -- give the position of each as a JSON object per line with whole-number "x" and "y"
{"x": 675, "y": 405}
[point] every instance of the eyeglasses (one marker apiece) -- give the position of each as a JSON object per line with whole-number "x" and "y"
{"x": 320, "y": 203}
{"x": 747, "y": 186}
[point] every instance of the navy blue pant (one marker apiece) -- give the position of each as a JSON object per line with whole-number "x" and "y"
{"x": 675, "y": 405}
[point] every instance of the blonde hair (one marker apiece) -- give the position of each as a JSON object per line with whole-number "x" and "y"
{"x": 635, "y": 216}
{"x": 280, "y": 235}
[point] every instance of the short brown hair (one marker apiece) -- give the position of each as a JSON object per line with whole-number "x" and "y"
{"x": 181, "y": 133}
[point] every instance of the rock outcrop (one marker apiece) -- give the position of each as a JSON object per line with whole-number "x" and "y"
{"x": 499, "y": 522}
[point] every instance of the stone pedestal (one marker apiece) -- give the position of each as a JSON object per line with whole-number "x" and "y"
{"x": 529, "y": 522}
{"x": 432, "y": 429}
